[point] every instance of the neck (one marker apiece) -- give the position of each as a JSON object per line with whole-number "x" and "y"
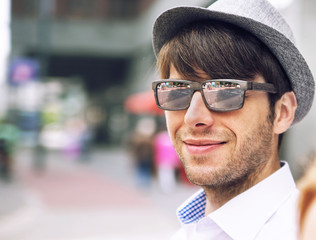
{"x": 217, "y": 196}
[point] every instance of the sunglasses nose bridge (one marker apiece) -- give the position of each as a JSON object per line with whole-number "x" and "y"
{"x": 196, "y": 87}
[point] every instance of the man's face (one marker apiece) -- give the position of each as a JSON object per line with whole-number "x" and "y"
{"x": 221, "y": 149}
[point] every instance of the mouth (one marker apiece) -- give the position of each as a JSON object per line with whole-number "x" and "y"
{"x": 202, "y": 146}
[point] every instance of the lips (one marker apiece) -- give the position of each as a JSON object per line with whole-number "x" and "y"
{"x": 202, "y": 146}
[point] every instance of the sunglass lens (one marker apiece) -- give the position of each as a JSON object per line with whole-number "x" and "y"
{"x": 223, "y": 96}
{"x": 173, "y": 96}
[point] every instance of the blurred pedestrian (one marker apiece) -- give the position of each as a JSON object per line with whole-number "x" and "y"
{"x": 141, "y": 149}
{"x": 5, "y": 161}
{"x": 167, "y": 162}
{"x": 307, "y": 204}
{"x": 9, "y": 137}
{"x": 232, "y": 82}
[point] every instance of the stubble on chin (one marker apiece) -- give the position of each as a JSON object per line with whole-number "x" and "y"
{"x": 196, "y": 166}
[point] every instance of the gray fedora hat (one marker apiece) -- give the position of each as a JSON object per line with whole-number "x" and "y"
{"x": 258, "y": 17}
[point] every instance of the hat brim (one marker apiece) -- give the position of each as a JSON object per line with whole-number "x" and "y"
{"x": 295, "y": 66}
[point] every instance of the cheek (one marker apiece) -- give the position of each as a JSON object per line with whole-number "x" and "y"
{"x": 240, "y": 123}
{"x": 174, "y": 120}
{"x": 256, "y": 110}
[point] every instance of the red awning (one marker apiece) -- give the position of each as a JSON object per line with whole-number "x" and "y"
{"x": 142, "y": 103}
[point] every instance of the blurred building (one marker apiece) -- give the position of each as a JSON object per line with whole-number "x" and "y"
{"x": 104, "y": 43}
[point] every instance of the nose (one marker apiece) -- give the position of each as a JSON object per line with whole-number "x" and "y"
{"x": 198, "y": 115}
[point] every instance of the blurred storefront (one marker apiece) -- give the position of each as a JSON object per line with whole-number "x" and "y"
{"x": 104, "y": 44}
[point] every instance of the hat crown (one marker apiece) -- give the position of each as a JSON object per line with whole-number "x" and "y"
{"x": 258, "y": 10}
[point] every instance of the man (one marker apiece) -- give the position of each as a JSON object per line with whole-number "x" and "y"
{"x": 232, "y": 82}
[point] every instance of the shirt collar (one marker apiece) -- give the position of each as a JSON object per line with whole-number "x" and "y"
{"x": 250, "y": 209}
{"x": 193, "y": 209}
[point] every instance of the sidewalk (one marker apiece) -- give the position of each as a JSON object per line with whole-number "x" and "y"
{"x": 84, "y": 201}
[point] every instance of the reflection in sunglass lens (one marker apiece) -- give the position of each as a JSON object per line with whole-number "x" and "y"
{"x": 221, "y": 95}
{"x": 174, "y": 95}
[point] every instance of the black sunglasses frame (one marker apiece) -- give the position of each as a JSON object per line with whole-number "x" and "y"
{"x": 197, "y": 86}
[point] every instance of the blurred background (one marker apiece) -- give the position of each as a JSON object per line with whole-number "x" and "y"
{"x": 83, "y": 148}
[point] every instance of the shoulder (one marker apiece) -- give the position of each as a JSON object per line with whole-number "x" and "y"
{"x": 179, "y": 235}
{"x": 283, "y": 223}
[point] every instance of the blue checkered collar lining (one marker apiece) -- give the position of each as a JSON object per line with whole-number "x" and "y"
{"x": 193, "y": 209}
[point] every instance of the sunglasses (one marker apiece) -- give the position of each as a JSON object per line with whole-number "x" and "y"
{"x": 220, "y": 95}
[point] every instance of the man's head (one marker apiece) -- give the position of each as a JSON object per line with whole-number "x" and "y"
{"x": 227, "y": 148}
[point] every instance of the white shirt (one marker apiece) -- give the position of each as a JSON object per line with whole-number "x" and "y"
{"x": 266, "y": 211}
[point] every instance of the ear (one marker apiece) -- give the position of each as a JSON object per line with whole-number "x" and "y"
{"x": 284, "y": 112}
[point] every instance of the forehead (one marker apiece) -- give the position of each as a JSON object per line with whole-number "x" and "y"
{"x": 200, "y": 75}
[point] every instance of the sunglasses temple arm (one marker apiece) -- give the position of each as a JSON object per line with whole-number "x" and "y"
{"x": 266, "y": 87}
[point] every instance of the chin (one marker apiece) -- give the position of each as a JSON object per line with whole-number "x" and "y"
{"x": 199, "y": 178}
